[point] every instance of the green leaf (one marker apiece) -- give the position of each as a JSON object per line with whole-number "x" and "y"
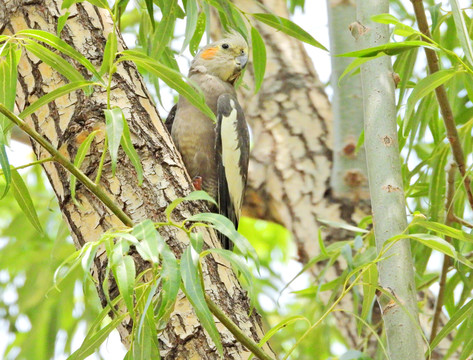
{"x": 436, "y": 243}
{"x": 289, "y": 28}
{"x": 281, "y": 325}
{"x": 171, "y": 77}
{"x": 148, "y": 246}
{"x": 115, "y": 123}
{"x": 460, "y": 315}
{"x": 339, "y": 225}
{"x": 53, "y": 95}
{"x": 60, "y": 45}
{"x": 5, "y": 166}
{"x": 92, "y": 342}
{"x": 110, "y": 53}
{"x": 355, "y": 64}
{"x": 59, "y": 64}
{"x": 80, "y": 156}
{"x": 103, "y": 4}
{"x": 198, "y": 33}
{"x": 124, "y": 272}
{"x": 165, "y": 29}
{"x": 171, "y": 279}
{"x": 424, "y": 87}
{"x": 61, "y": 22}
{"x": 193, "y": 196}
{"x": 370, "y": 281}
{"x": 153, "y": 244}
{"x": 130, "y": 151}
{"x": 66, "y": 4}
{"x": 389, "y": 49}
{"x": 400, "y": 28}
{"x": 145, "y": 341}
{"x": 404, "y": 66}
{"x": 192, "y": 13}
{"x": 23, "y": 198}
{"x": 437, "y": 185}
{"x": 462, "y": 31}
{"x": 8, "y": 80}
{"x": 193, "y": 288}
{"x": 443, "y": 229}
{"x": 226, "y": 227}
{"x": 259, "y": 57}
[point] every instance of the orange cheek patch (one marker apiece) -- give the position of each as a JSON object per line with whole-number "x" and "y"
{"x": 209, "y": 53}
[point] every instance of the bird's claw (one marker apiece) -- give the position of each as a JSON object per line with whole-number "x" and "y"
{"x": 197, "y": 182}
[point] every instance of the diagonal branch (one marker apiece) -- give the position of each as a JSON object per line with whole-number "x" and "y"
{"x": 442, "y": 98}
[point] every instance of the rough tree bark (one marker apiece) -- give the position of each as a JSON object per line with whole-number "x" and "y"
{"x": 291, "y": 123}
{"x": 66, "y": 123}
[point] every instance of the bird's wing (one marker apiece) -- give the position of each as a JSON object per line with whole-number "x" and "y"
{"x": 170, "y": 119}
{"x": 232, "y": 148}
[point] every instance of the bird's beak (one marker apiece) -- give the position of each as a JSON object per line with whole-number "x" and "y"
{"x": 242, "y": 60}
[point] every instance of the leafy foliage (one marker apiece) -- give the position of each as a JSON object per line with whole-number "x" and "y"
{"x": 41, "y": 266}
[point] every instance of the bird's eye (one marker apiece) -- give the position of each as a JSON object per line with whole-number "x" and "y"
{"x": 242, "y": 52}
{"x": 225, "y": 46}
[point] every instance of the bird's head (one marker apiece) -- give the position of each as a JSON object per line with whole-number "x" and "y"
{"x": 225, "y": 58}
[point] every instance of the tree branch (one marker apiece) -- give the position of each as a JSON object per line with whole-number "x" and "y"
{"x": 442, "y": 98}
{"x": 58, "y": 157}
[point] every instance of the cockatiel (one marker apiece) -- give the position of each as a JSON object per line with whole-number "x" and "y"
{"x": 216, "y": 155}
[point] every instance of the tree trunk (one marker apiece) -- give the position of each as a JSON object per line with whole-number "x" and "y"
{"x": 396, "y": 275}
{"x": 67, "y": 121}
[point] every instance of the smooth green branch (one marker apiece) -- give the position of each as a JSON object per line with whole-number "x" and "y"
{"x": 61, "y": 159}
{"x": 236, "y": 331}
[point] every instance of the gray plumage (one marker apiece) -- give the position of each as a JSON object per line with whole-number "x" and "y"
{"x": 215, "y": 69}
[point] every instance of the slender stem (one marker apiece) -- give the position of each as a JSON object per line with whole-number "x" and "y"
{"x": 102, "y": 160}
{"x": 32, "y": 164}
{"x": 442, "y": 98}
{"x": 447, "y": 261}
{"x": 236, "y": 331}
{"x": 461, "y": 221}
{"x": 89, "y": 184}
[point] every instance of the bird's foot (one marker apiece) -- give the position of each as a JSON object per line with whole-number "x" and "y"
{"x": 197, "y": 182}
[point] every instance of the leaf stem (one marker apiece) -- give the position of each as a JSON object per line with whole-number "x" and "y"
{"x": 442, "y": 98}
{"x": 236, "y": 331}
{"x": 61, "y": 159}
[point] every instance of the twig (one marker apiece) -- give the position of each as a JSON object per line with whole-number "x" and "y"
{"x": 61, "y": 159}
{"x": 461, "y": 221}
{"x": 446, "y": 259}
{"x": 236, "y": 331}
{"x": 442, "y": 98}
{"x": 31, "y": 164}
